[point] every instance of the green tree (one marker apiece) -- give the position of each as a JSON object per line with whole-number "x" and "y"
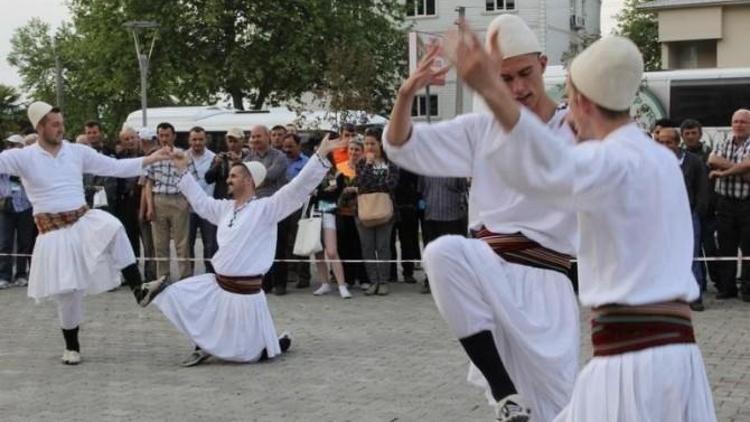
{"x": 11, "y": 119}
{"x": 643, "y": 28}
{"x": 261, "y": 53}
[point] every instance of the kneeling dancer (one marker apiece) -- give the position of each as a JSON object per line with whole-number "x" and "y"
{"x": 78, "y": 251}
{"x": 226, "y": 314}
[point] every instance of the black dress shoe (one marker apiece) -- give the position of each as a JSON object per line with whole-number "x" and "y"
{"x": 697, "y": 306}
{"x": 726, "y": 295}
{"x": 279, "y": 290}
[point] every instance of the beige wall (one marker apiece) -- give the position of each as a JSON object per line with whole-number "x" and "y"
{"x": 732, "y": 50}
{"x": 703, "y": 23}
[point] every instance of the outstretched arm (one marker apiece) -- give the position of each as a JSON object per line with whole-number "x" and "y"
{"x": 102, "y": 165}
{"x": 442, "y": 149}
{"x": 208, "y": 208}
{"x": 290, "y": 197}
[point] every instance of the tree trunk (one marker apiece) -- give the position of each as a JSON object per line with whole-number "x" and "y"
{"x": 237, "y": 98}
{"x": 260, "y": 99}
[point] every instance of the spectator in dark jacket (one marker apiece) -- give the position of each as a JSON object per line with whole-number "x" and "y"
{"x": 696, "y": 182}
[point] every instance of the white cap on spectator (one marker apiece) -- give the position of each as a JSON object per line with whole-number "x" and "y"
{"x": 515, "y": 38}
{"x": 257, "y": 171}
{"x": 15, "y": 139}
{"x": 609, "y": 72}
{"x": 236, "y": 133}
{"x": 146, "y": 133}
{"x": 37, "y": 110}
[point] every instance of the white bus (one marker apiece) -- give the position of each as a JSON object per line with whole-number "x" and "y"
{"x": 218, "y": 120}
{"x": 708, "y": 95}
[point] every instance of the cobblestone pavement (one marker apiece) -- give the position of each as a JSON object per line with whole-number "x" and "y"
{"x": 366, "y": 359}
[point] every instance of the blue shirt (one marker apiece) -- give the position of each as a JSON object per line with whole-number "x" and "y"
{"x": 14, "y": 190}
{"x": 295, "y": 166}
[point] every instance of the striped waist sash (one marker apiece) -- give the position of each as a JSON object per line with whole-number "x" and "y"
{"x": 47, "y": 222}
{"x": 519, "y": 249}
{"x": 243, "y": 285}
{"x": 617, "y": 329}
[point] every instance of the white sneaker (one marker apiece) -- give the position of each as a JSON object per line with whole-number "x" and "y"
{"x": 4, "y": 284}
{"x": 512, "y": 409}
{"x": 21, "y": 282}
{"x": 344, "y": 292}
{"x": 324, "y": 288}
{"x": 71, "y": 357}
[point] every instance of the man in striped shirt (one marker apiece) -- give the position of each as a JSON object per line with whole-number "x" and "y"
{"x": 730, "y": 159}
{"x": 167, "y": 209}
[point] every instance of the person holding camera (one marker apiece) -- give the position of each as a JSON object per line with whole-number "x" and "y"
{"x": 219, "y": 171}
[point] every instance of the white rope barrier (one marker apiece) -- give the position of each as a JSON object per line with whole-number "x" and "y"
{"x": 354, "y": 261}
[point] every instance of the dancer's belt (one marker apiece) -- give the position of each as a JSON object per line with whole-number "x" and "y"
{"x": 519, "y": 249}
{"x": 47, "y": 222}
{"x": 243, "y": 285}
{"x": 617, "y": 329}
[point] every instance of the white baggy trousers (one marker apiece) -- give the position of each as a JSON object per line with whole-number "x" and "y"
{"x": 532, "y": 314}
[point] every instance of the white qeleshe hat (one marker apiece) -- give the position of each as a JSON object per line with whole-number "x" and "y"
{"x": 515, "y": 38}
{"x": 609, "y": 72}
{"x": 37, "y": 111}
{"x": 257, "y": 171}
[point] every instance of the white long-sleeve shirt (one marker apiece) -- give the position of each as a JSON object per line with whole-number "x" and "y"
{"x": 636, "y": 243}
{"x": 247, "y": 247}
{"x": 55, "y": 183}
{"x": 458, "y": 148}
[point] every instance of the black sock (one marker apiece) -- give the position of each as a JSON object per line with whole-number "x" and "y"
{"x": 482, "y": 351}
{"x": 284, "y": 344}
{"x": 71, "y": 339}
{"x": 132, "y": 276}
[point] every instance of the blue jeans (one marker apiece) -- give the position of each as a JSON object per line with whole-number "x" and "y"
{"x": 208, "y": 235}
{"x": 698, "y": 268}
{"x": 16, "y": 228}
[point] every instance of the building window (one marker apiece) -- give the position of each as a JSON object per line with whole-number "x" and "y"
{"x": 499, "y": 5}
{"x": 416, "y": 8}
{"x": 419, "y": 106}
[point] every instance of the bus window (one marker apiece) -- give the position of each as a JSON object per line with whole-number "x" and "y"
{"x": 712, "y": 102}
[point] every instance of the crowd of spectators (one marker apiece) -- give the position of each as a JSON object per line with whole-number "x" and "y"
{"x": 356, "y": 253}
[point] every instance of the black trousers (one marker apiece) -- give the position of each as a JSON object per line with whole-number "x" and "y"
{"x": 710, "y": 247}
{"x": 733, "y": 218}
{"x": 432, "y": 229}
{"x": 277, "y": 276}
{"x": 407, "y": 230}
{"x": 349, "y": 247}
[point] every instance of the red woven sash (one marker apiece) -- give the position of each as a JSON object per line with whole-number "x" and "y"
{"x": 519, "y": 249}
{"x": 47, "y": 222}
{"x": 617, "y": 329}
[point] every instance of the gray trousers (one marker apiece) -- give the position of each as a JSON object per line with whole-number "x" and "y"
{"x": 376, "y": 245}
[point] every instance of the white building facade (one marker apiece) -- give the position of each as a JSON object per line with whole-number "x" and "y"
{"x": 558, "y": 24}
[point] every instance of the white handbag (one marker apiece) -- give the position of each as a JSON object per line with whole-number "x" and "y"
{"x": 308, "y": 241}
{"x": 100, "y": 198}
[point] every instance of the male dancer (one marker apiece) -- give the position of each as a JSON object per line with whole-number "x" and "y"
{"x": 505, "y": 294}
{"x": 226, "y": 314}
{"x": 634, "y": 256}
{"x": 78, "y": 251}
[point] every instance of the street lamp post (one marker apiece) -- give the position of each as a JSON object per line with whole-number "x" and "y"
{"x": 136, "y": 28}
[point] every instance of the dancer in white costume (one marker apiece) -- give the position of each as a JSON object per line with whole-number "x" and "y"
{"x": 506, "y": 295}
{"x": 78, "y": 251}
{"x": 634, "y": 256}
{"x": 226, "y": 314}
